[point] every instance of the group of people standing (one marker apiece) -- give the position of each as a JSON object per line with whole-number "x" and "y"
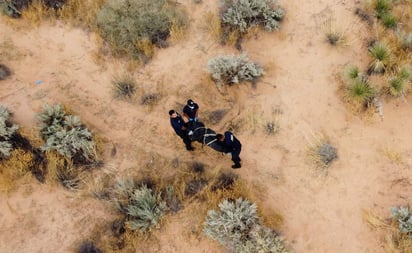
{"x": 190, "y": 114}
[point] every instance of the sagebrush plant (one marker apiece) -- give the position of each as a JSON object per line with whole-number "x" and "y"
{"x": 403, "y": 216}
{"x": 237, "y": 226}
{"x": 231, "y": 224}
{"x": 7, "y": 131}
{"x": 124, "y": 86}
{"x": 230, "y": 69}
{"x": 13, "y": 8}
{"x": 381, "y": 55}
{"x": 242, "y": 14}
{"x": 321, "y": 152}
{"x": 145, "y": 209}
{"x": 66, "y": 134}
{"x": 133, "y": 28}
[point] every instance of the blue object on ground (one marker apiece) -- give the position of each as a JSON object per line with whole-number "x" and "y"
{"x": 39, "y": 81}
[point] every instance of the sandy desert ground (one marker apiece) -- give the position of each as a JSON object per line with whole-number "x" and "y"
{"x": 322, "y": 212}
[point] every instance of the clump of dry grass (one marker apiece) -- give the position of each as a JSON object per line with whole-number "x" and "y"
{"x": 334, "y": 34}
{"x": 15, "y": 167}
{"x": 150, "y": 99}
{"x": 124, "y": 86}
{"x": 61, "y": 169}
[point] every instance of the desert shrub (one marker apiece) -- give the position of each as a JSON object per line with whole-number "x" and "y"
{"x": 134, "y": 27}
{"x": 399, "y": 85}
{"x": 4, "y": 71}
{"x": 65, "y": 134}
{"x": 262, "y": 239}
{"x": 380, "y": 53}
{"x": 363, "y": 15}
{"x": 352, "y": 73}
{"x": 403, "y": 216}
{"x": 360, "y": 92}
{"x": 230, "y": 69}
{"x": 271, "y": 127}
{"x": 407, "y": 41}
{"x": 382, "y": 7}
{"x": 124, "y": 87}
{"x": 55, "y": 4}
{"x": 232, "y": 223}
{"x": 145, "y": 209}
{"x": 7, "y": 131}
{"x": 224, "y": 182}
{"x": 237, "y": 226}
{"x": 89, "y": 247}
{"x": 242, "y": 14}
{"x": 13, "y": 8}
{"x": 327, "y": 153}
{"x": 194, "y": 186}
{"x": 389, "y": 20}
{"x": 197, "y": 167}
{"x": 173, "y": 202}
{"x": 150, "y": 99}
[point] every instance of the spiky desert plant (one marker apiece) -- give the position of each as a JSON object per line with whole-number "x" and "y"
{"x": 389, "y": 20}
{"x": 133, "y": 28}
{"x": 382, "y": 7}
{"x": 230, "y": 69}
{"x": 124, "y": 87}
{"x": 262, "y": 239}
{"x": 352, "y": 73}
{"x": 399, "y": 85}
{"x": 232, "y": 223}
{"x": 4, "y": 71}
{"x": 243, "y": 14}
{"x": 381, "y": 54}
{"x": 7, "y": 130}
{"x": 66, "y": 134}
{"x": 145, "y": 209}
{"x": 403, "y": 217}
{"x": 407, "y": 41}
{"x": 360, "y": 92}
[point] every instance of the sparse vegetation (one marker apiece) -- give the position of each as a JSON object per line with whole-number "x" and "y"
{"x": 13, "y": 8}
{"x": 7, "y": 131}
{"x": 232, "y": 69}
{"x": 389, "y": 20}
{"x": 66, "y": 135}
{"x": 133, "y": 28}
{"x": 142, "y": 206}
{"x": 380, "y": 53}
{"x": 382, "y": 7}
{"x": 150, "y": 99}
{"x": 403, "y": 216}
{"x": 237, "y": 16}
{"x": 407, "y": 41}
{"x": 4, "y": 72}
{"x": 360, "y": 93}
{"x": 89, "y": 247}
{"x": 322, "y": 153}
{"x": 237, "y": 226}
{"x": 334, "y": 35}
{"x": 399, "y": 85}
{"x": 124, "y": 87}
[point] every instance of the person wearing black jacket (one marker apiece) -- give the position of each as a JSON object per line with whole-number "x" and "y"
{"x": 233, "y": 146}
{"x": 179, "y": 126}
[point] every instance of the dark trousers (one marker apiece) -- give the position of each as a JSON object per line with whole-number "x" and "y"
{"x": 186, "y": 140}
{"x": 235, "y": 156}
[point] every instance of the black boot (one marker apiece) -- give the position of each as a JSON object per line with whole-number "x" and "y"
{"x": 236, "y": 166}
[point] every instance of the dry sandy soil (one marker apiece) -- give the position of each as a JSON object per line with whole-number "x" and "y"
{"x": 322, "y": 212}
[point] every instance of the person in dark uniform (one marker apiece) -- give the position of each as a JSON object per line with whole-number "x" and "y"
{"x": 179, "y": 126}
{"x": 232, "y": 145}
{"x": 191, "y": 110}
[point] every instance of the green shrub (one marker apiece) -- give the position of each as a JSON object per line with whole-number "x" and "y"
{"x": 233, "y": 69}
{"x": 237, "y": 226}
{"x": 232, "y": 223}
{"x": 13, "y": 8}
{"x": 389, "y": 20}
{"x": 7, "y": 131}
{"x": 262, "y": 239}
{"x": 352, "y": 73}
{"x": 382, "y": 7}
{"x": 144, "y": 209}
{"x": 380, "y": 53}
{"x": 360, "y": 92}
{"x": 399, "y": 85}
{"x": 65, "y": 134}
{"x": 242, "y": 14}
{"x": 133, "y": 27}
{"x": 403, "y": 216}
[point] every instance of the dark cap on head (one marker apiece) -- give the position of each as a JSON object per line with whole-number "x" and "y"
{"x": 171, "y": 112}
{"x": 190, "y": 102}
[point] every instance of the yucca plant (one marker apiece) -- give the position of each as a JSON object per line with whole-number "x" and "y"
{"x": 7, "y": 131}
{"x": 399, "y": 85}
{"x": 381, "y": 55}
{"x": 145, "y": 209}
{"x": 389, "y": 20}
{"x": 360, "y": 92}
{"x": 382, "y": 7}
{"x": 352, "y": 73}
